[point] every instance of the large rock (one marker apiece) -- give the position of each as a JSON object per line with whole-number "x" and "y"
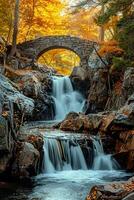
{"x": 112, "y": 191}
{"x": 13, "y": 96}
{"x": 33, "y": 83}
{"x": 26, "y": 163}
{"x": 81, "y": 79}
{"x": 128, "y": 84}
{"x": 31, "y": 135}
{"x": 38, "y": 86}
{"x": 81, "y": 123}
{"x": 5, "y": 136}
{"x": 125, "y": 149}
{"x": 6, "y": 146}
{"x": 98, "y": 93}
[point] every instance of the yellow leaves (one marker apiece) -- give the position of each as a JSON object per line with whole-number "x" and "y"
{"x": 110, "y": 47}
{"x": 61, "y": 60}
{"x": 82, "y": 24}
{"x": 42, "y": 17}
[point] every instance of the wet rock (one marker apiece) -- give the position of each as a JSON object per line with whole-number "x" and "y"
{"x": 128, "y": 84}
{"x": 81, "y": 79}
{"x": 38, "y": 86}
{"x": 112, "y": 191}
{"x": 11, "y": 94}
{"x": 44, "y": 108}
{"x": 26, "y": 162}
{"x": 98, "y": 93}
{"x": 125, "y": 149}
{"x": 6, "y": 145}
{"x": 32, "y": 136}
{"x": 130, "y": 99}
{"x": 5, "y": 137}
{"x": 30, "y": 84}
{"x": 72, "y": 123}
{"x": 5, "y": 161}
{"x": 129, "y": 197}
{"x": 80, "y": 122}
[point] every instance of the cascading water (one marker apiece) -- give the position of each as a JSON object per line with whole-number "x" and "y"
{"x": 62, "y": 155}
{"x": 66, "y": 99}
{"x": 101, "y": 160}
{"x": 65, "y": 153}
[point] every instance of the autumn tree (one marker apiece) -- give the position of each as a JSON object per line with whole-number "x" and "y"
{"x": 124, "y": 28}
{"x": 6, "y": 19}
{"x": 94, "y": 5}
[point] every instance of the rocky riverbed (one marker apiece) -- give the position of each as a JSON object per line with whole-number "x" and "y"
{"x": 26, "y": 96}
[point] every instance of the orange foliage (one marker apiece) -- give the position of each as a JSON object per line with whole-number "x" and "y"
{"x": 82, "y": 24}
{"x": 110, "y": 47}
{"x": 42, "y": 17}
{"x": 61, "y": 60}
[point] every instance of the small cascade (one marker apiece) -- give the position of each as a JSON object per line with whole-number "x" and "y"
{"x": 62, "y": 155}
{"x": 65, "y": 98}
{"x": 101, "y": 160}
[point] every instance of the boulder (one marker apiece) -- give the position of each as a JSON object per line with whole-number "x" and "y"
{"x": 125, "y": 149}
{"x": 31, "y": 135}
{"x": 81, "y": 123}
{"x": 38, "y": 86}
{"x": 128, "y": 84}
{"x": 30, "y": 84}
{"x": 112, "y": 191}
{"x": 5, "y": 136}
{"x": 6, "y": 145}
{"x": 44, "y": 108}
{"x": 5, "y": 162}
{"x": 11, "y": 94}
{"x": 27, "y": 160}
{"x": 98, "y": 93}
{"x": 81, "y": 79}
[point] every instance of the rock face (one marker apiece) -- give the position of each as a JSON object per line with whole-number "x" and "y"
{"x": 6, "y": 145}
{"x": 12, "y": 96}
{"x": 29, "y": 152}
{"x": 98, "y": 93}
{"x": 38, "y": 86}
{"x": 116, "y": 128}
{"x": 115, "y": 190}
{"x": 81, "y": 123}
{"x": 128, "y": 84}
{"x": 81, "y": 79}
{"x": 27, "y": 160}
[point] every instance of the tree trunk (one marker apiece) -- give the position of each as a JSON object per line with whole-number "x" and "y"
{"x": 15, "y": 27}
{"x": 102, "y": 32}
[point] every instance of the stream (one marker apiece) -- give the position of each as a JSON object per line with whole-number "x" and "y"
{"x": 66, "y": 172}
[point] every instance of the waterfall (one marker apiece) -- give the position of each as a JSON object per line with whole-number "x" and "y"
{"x": 65, "y": 98}
{"x": 62, "y": 155}
{"x": 101, "y": 160}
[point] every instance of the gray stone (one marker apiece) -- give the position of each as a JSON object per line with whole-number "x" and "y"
{"x": 34, "y": 48}
{"x": 11, "y": 94}
{"x": 5, "y": 137}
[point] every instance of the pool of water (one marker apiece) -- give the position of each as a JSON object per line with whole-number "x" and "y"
{"x": 71, "y": 185}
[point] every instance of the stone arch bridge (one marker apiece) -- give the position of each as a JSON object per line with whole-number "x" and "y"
{"x": 35, "y": 48}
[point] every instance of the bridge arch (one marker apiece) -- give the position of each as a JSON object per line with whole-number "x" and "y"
{"x": 35, "y": 48}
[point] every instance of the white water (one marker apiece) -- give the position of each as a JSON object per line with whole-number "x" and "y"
{"x": 101, "y": 160}
{"x": 60, "y": 155}
{"x": 71, "y": 184}
{"x": 65, "y": 98}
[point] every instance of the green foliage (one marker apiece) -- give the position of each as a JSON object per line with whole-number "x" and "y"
{"x": 120, "y": 64}
{"x": 124, "y": 33}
